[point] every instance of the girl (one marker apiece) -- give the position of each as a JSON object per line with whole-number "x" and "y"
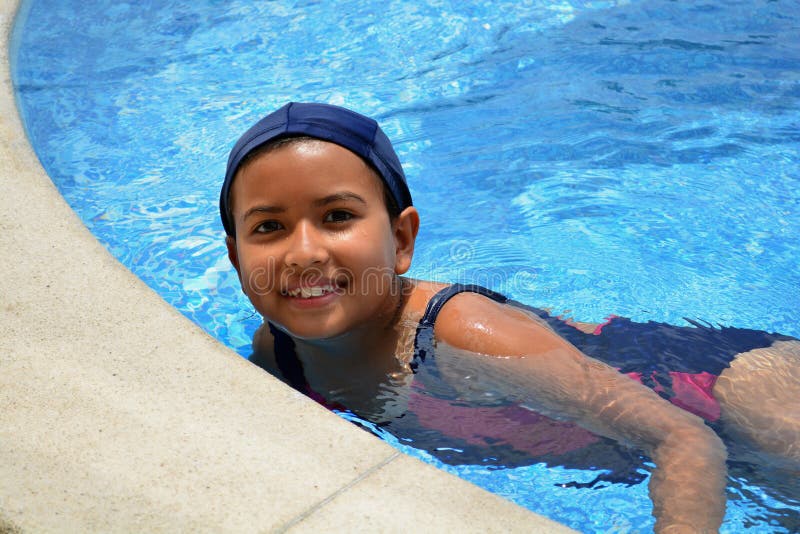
{"x": 320, "y": 227}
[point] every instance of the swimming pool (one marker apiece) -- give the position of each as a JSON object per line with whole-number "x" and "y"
{"x": 602, "y": 157}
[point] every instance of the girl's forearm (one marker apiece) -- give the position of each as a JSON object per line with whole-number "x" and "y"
{"x": 688, "y": 485}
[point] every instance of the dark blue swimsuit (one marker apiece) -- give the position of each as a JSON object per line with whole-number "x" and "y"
{"x": 681, "y": 363}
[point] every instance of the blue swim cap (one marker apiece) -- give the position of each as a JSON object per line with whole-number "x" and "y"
{"x": 357, "y": 133}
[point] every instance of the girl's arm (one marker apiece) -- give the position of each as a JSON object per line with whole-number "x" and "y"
{"x": 688, "y": 485}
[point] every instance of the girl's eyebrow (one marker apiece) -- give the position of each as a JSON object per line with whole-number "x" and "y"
{"x": 342, "y": 195}
{"x": 336, "y": 197}
{"x": 262, "y": 209}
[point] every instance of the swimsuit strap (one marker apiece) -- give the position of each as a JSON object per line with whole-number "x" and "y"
{"x": 424, "y": 335}
{"x": 291, "y": 367}
{"x": 286, "y": 358}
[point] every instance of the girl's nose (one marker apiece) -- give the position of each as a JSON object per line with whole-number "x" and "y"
{"x": 306, "y": 247}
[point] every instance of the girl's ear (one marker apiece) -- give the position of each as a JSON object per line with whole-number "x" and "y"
{"x": 233, "y": 256}
{"x": 405, "y": 228}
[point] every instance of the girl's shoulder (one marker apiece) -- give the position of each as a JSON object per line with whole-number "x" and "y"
{"x": 477, "y": 323}
{"x": 420, "y": 293}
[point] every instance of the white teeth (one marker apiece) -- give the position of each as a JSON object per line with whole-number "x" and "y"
{"x": 309, "y": 292}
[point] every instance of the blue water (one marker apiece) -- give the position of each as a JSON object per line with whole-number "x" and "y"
{"x": 637, "y": 158}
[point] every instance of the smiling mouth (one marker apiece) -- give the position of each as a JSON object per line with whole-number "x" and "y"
{"x": 309, "y": 292}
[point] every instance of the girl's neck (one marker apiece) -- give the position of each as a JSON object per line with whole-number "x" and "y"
{"x": 371, "y": 346}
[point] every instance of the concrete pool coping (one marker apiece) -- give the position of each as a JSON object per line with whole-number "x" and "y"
{"x": 117, "y": 414}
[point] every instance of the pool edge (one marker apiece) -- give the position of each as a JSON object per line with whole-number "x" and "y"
{"x": 89, "y": 385}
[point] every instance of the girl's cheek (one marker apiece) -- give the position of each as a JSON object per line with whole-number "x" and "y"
{"x": 258, "y": 281}
{"x": 258, "y": 273}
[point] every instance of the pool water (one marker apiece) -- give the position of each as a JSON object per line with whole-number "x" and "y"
{"x": 594, "y": 157}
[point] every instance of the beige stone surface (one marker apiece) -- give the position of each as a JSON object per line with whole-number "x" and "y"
{"x": 119, "y": 415}
{"x": 416, "y": 496}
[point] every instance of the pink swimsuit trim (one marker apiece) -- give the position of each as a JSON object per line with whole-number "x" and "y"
{"x": 692, "y": 391}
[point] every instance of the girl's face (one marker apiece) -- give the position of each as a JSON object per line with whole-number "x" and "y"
{"x": 315, "y": 250}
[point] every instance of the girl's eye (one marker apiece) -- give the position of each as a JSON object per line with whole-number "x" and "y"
{"x": 338, "y": 216}
{"x": 267, "y": 227}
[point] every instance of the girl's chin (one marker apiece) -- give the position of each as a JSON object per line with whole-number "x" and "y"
{"x": 309, "y": 330}
{"x": 314, "y": 335}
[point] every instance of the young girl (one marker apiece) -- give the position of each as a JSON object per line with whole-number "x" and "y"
{"x": 320, "y": 227}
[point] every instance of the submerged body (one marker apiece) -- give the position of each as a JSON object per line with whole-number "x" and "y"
{"x": 320, "y": 230}
{"x": 682, "y": 364}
